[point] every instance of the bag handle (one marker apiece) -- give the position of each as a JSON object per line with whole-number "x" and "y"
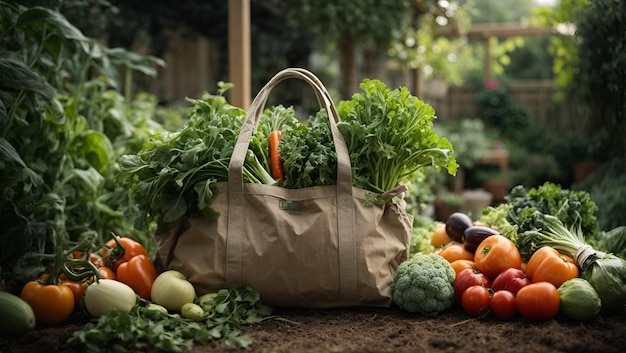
{"x": 345, "y": 206}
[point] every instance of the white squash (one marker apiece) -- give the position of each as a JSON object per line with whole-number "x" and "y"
{"x": 105, "y": 295}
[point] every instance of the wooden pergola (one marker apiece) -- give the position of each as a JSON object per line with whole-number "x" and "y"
{"x": 485, "y": 31}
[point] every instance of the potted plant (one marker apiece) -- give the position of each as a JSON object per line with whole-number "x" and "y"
{"x": 447, "y": 203}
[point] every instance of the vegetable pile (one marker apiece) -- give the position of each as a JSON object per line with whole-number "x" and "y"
{"x": 528, "y": 256}
{"x": 132, "y": 305}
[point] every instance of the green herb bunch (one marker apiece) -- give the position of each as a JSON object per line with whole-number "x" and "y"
{"x": 308, "y": 153}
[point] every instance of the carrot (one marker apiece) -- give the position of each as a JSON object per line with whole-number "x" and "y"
{"x": 276, "y": 164}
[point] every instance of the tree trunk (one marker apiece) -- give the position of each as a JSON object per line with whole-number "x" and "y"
{"x": 348, "y": 67}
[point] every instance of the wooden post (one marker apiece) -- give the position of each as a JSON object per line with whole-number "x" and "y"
{"x": 487, "y": 59}
{"x": 239, "y": 67}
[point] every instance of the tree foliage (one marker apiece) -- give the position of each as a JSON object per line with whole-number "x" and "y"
{"x": 373, "y": 21}
{"x": 591, "y": 63}
{"x": 601, "y": 74}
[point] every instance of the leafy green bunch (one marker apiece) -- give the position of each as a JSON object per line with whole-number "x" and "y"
{"x": 308, "y": 154}
{"x": 176, "y": 174}
{"x": 573, "y": 208}
{"x": 390, "y": 137}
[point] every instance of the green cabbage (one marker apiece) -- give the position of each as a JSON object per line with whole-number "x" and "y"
{"x": 579, "y": 300}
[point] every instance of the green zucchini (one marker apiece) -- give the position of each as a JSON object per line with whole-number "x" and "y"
{"x": 17, "y": 315}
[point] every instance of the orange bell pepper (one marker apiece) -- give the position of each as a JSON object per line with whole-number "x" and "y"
{"x": 139, "y": 273}
{"x": 547, "y": 264}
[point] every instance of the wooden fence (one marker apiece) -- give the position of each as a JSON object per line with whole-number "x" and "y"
{"x": 192, "y": 66}
{"x": 538, "y": 96}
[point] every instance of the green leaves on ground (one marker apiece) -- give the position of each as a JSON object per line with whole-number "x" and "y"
{"x": 143, "y": 327}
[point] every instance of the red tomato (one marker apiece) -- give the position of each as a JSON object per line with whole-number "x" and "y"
{"x": 495, "y": 254}
{"x": 139, "y": 273}
{"x": 78, "y": 290}
{"x": 503, "y": 305}
{"x": 475, "y": 300}
{"x": 538, "y": 301}
{"x": 511, "y": 279}
{"x": 52, "y": 304}
{"x": 467, "y": 278}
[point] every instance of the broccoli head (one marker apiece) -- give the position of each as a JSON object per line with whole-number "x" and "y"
{"x": 423, "y": 284}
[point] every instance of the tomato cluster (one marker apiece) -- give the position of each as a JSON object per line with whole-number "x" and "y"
{"x": 60, "y": 290}
{"x": 492, "y": 278}
{"x": 129, "y": 259}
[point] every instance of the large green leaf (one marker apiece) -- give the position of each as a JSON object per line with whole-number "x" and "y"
{"x": 138, "y": 62}
{"x": 16, "y": 75}
{"x": 10, "y": 154}
{"x": 37, "y": 15}
{"x": 97, "y": 149}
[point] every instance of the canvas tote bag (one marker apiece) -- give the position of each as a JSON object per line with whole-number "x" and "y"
{"x": 314, "y": 247}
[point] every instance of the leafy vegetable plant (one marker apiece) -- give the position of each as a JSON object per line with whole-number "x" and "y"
{"x": 63, "y": 123}
{"x": 390, "y": 136}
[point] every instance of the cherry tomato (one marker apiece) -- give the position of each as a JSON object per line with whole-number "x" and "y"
{"x": 77, "y": 288}
{"x": 106, "y": 273}
{"x": 455, "y": 251}
{"x": 511, "y": 279}
{"x": 52, "y": 304}
{"x": 475, "y": 300}
{"x": 439, "y": 237}
{"x": 462, "y": 264}
{"x": 132, "y": 248}
{"x": 467, "y": 278}
{"x": 538, "y": 301}
{"x": 503, "y": 305}
{"x": 139, "y": 273}
{"x": 495, "y": 254}
{"x": 547, "y": 264}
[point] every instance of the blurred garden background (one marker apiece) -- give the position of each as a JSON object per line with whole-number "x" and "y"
{"x": 527, "y": 91}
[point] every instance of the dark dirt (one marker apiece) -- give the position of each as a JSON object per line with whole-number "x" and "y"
{"x": 385, "y": 330}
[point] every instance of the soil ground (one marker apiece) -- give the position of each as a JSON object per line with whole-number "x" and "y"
{"x": 385, "y": 330}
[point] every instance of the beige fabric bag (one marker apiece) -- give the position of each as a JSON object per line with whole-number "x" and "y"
{"x": 314, "y": 247}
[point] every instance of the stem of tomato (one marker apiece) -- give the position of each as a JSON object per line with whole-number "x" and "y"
{"x": 115, "y": 253}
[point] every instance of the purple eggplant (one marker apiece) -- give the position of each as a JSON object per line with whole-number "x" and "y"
{"x": 456, "y": 224}
{"x": 474, "y": 235}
